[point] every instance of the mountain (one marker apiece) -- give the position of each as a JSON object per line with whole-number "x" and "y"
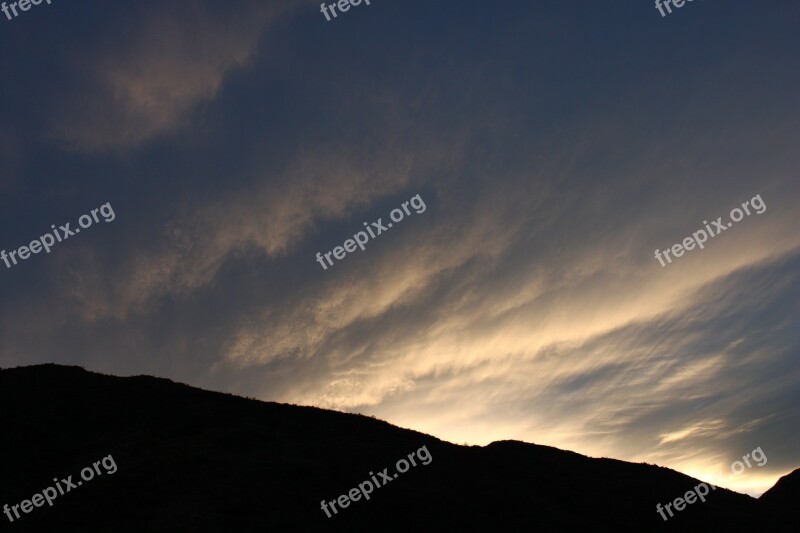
{"x": 783, "y": 498}
{"x": 186, "y": 459}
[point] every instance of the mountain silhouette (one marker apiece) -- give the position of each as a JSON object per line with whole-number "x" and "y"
{"x": 193, "y": 460}
{"x": 783, "y": 498}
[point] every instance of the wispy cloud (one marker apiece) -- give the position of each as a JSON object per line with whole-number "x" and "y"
{"x": 147, "y": 84}
{"x": 235, "y": 140}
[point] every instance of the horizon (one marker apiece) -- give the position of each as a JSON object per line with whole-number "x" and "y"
{"x": 573, "y": 225}
{"x": 714, "y": 480}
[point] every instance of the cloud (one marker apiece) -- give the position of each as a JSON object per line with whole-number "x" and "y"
{"x": 693, "y": 387}
{"x": 274, "y": 218}
{"x": 174, "y": 58}
{"x": 11, "y": 161}
{"x": 525, "y": 303}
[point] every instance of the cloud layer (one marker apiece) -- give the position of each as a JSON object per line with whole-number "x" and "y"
{"x": 237, "y": 142}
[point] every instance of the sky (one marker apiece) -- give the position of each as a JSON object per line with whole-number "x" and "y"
{"x": 554, "y": 145}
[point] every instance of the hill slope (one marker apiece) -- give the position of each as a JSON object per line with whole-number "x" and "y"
{"x": 193, "y": 460}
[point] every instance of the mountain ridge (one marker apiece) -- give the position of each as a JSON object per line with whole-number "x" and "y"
{"x": 213, "y": 461}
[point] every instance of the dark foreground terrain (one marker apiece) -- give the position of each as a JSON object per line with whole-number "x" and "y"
{"x": 193, "y": 460}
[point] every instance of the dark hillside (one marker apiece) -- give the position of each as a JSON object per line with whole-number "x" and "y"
{"x": 193, "y": 460}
